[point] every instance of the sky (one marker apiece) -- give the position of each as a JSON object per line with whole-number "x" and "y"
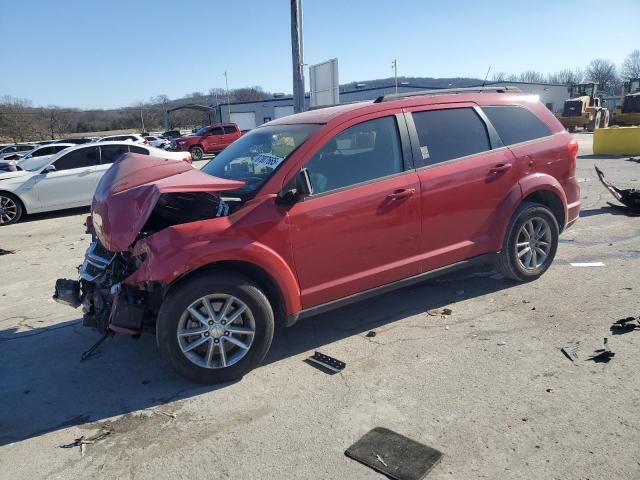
{"x": 107, "y": 54}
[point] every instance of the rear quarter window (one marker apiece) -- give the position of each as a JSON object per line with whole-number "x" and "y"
{"x": 516, "y": 124}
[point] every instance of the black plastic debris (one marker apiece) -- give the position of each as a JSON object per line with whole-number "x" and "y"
{"x": 630, "y": 197}
{"x": 326, "y": 363}
{"x": 394, "y": 455}
{"x": 602, "y": 355}
{"x": 371, "y": 334}
{"x": 6, "y": 252}
{"x": 624, "y": 325}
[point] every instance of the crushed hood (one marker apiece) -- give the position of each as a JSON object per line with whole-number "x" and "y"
{"x": 129, "y": 190}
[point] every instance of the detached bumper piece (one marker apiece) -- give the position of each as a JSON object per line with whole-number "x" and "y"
{"x": 630, "y": 197}
{"x": 67, "y": 292}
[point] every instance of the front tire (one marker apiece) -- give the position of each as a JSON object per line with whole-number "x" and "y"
{"x": 10, "y": 209}
{"x": 215, "y": 327}
{"x": 530, "y": 244}
{"x": 196, "y": 153}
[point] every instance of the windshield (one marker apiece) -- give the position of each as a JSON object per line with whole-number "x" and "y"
{"x": 201, "y": 131}
{"x": 254, "y": 157}
{"x": 581, "y": 91}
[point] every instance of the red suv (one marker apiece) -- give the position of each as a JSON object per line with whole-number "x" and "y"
{"x": 312, "y": 211}
{"x": 211, "y": 139}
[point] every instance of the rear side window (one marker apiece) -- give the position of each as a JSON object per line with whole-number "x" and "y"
{"x": 43, "y": 151}
{"x": 111, "y": 153}
{"x": 361, "y": 153}
{"x": 217, "y": 131}
{"x": 451, "y": 133}
{"x": 229, "y": 130}
{"x": 516, "y": 124}
{"x": 139, "y": 150}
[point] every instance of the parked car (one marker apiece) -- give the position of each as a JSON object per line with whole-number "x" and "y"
{"x": 211, "y": 139}
{"x": 66, "y": 180}
{"x": 21, "y": 148}
{"x": 77, "y": 141}
{"x": 132, "y": 137}
{"x": 33, "y": 159}
{"x": 316, "y": 210}
{"x": 157, "y": 142}
{"x": 172, "y": 134}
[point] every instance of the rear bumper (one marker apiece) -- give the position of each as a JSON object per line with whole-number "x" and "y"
{"x": 573, "y": 213}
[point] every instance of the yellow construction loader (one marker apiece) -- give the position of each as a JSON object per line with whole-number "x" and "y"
{"x": 629, "y": 112}
{"x": 584, "y": 109}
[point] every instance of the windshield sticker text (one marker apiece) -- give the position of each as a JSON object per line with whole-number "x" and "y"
{"x": 268, "y": 160}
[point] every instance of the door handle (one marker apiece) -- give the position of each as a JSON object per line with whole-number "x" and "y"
{"x": 499, "y": 168}
{"x": 402, "y": 193}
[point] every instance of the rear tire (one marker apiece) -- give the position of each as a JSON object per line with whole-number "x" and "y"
{"x": 595, "y": 123}
{"x": 604, "y": 119}
{"x": 223, "y": 351}
{"x": 530, "y": 244}
{"x": 196, "y": 153}
{"x": 11, "y": 209}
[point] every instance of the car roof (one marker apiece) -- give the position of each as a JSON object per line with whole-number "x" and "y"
{"x": 349, "y": 110}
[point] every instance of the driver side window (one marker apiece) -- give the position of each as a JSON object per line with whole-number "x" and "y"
{"x": 85, "y": 157}
{"x": 364, "y": 152}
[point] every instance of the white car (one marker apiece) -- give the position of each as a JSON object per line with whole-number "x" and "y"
{"x": 12, "y": 149}
{"x": 33, "y": 159}
{"x": 157, "y": 142}
{"x": 67, "y": 180}
{"x": 129, "y": 137}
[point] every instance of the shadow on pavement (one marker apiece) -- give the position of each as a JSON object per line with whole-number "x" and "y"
{"x": 602, "y": 211}
{"x": 601, "y": 157}
{"x": 55, "y": 214}
{"x": 45, "y": 387}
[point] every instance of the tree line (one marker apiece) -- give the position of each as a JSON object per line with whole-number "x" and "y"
{"x": 601, "y": 71}
{"x": 20, "y": 121}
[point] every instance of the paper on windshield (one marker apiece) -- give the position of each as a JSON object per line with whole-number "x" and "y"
{"x": 268, "y": 160}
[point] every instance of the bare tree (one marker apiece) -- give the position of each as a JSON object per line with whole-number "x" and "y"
{"x": 499, "y": 77}
{"x": 14, "y": 118}
{"x": 566, "y": 77}
{"x": 531, "y": 76}
{"x": 631, "y": 66}
{"x": 604, "y": 73}
{"x": 249, "y": 94}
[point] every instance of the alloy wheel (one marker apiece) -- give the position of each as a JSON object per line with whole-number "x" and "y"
{"x": 8, "y": 209}
{"x": 533, "y": 243}
{"x": 216, "y": 331}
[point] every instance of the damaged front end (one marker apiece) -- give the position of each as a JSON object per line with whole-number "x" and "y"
{"x": 108, "y": 303}
{"x": 132, "y": 202}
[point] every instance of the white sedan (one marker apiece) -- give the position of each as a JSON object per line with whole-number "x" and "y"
{"x": 33, "y": 159}
{"x": 67, "y": 180}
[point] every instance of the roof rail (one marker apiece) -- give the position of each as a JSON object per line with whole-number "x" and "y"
{"x": 447, "y": 91}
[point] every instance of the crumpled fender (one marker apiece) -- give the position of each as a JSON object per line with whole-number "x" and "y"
{"x": 165, "y": 264}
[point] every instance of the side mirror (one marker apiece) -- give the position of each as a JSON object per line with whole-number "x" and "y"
{"x": 301, "y": 187}
{"x": 303, "y": 183}
{"x": 49, "y": 168}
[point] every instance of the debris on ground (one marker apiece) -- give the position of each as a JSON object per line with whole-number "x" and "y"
{"x": 6, "y": 252}
{"x": 602, "y": 355}
{"x": 434, "y": 312}
{"x": 501, "y": 343}
{"x": 92, "y": 351}
{"x": 394, "y": 455}
{"x": 166, "y": 414}
{"x": 570, "y": 350}
{"x": 526, "y": 301}
{"x": 630, "y": 197}
{"x": 82, "y": 442}
{"x": 326, "y": 363}
{"x": 624, "y": 325}
{"x": 587, "y": 264}
{"x": 371, "y": 334}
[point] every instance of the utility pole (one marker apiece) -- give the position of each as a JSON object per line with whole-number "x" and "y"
{"x": 394, "y": 65}
{"x": 226, "y": 81}
{"x": 142, "y": 120}
{"x": 297, "y": 56}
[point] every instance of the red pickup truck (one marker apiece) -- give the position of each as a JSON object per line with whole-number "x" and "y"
{"x": 211, "y": 139}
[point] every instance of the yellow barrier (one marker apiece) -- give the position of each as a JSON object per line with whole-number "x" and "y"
{"x": 616, "y": 141}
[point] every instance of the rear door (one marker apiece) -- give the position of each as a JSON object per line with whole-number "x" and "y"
{"x": 73, "y": 182}
{"x": 465, "y": 176}
{"x": 361, "y": 226}
{"x": 231, "y": 134}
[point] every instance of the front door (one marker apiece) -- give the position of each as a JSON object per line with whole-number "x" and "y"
{"x": 360, "y": 228}
{"x": 73, "y": 182}
{"x": 466, "y": 175}
{"x": 213, "y": 141}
